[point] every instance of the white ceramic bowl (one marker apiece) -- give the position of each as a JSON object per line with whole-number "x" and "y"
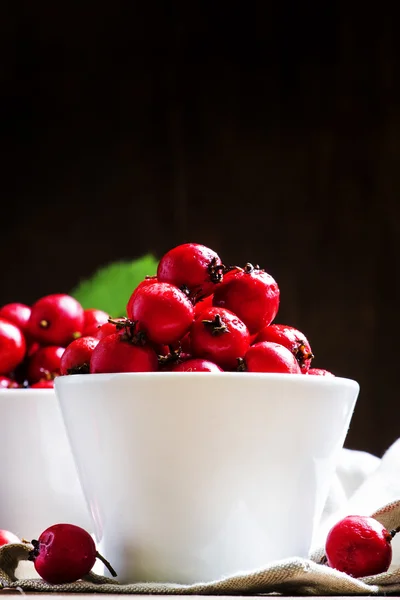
{"x": 191, "y": 476}
{"x": 39, "y": 481}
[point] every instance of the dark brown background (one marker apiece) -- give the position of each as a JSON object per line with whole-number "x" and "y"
{"x": 270, "y": 132}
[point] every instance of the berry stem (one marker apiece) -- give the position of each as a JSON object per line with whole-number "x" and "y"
{"x": 106, "y": 563}
{"x": 34, "y": 553}
{"x": 393, "y": 532}
{"x": 241, "y": 365}
{"x": 173, "y": 356}
{"x": 215, "y": 271}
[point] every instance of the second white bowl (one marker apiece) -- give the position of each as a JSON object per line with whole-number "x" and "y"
{"x": 39, "y": 481}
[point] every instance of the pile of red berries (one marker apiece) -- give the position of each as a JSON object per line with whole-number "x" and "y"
{"x": 33, "y": 338}
{"x": 196, "y": 314}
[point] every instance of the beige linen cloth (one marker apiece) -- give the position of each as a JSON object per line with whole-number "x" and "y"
{"x": 363, "y": 484}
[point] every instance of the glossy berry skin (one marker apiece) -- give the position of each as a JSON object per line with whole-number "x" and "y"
{"x": 193, "y": 267}
{"x": 7, "y": 537}
{"x": 64, "y": 553}
{"x": 206, "y": 302}
{"x": 163, "y": 312}
{"x": 196, "y": 365}
{"x": 293, "y": 339}
{"x": 186, "y": 344}
{"x": 116, "y": 354}
{"x": 77, "y": 355}
{"x": 56, "y": 320}
{"x": 6, "y": 383}
{"x": 16, "y": 313}
{"x": 147, "y": 281}
{"x": 220, "y": 336}
{"x": 359, "y": 546}
{"x": 320, "y": 373}
{"x": 45, "y": 363}
{"x": 93, "y": 319}
{"x": 12, "y": 346}
{"x": 252, "y": 294}
{"x": 269, "y": 357}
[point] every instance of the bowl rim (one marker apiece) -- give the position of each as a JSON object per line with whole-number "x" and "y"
{"x": 291, "y": 378}
{"x": 31, "y": 391}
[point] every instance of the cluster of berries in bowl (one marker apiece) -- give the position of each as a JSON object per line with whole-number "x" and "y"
{"x": 33, "y": 338}
{"x": 196, "y": 314}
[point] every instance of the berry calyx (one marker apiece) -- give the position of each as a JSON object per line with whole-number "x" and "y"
{"x": 293, "y": 339}
{"x": 252, "y": 294}
{"x": 196, "y": 365}
{"x": 269, "y": 357}
{"x": 93, "y": 319}
{"x": 45, "y": 363}
{"x": 359, "y": 546}
{"x": 320, "y": 372}
{"x": 220, "y": 336}
{"x": 163, "y": 312}
{"x": 76, "y": 358}
{"x": 117, "y": 353}
{"x": 192, "y": 267}
{"x": 112, "y": 326}
{"x": 64, "y": 553}
{"x": 56, "y": 319}
{"x": 12, "y": 346}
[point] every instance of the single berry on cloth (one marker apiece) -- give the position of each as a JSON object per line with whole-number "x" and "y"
{"x": 7, "y": 537}
{"x": 359, "y": 546}
{"x": 64, "y": 553}
{"x": 193, "y": 267}
{"x": 252, "y": 294}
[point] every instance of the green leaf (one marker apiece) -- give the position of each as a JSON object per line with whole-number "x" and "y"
{"x": 110, "y": 288}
